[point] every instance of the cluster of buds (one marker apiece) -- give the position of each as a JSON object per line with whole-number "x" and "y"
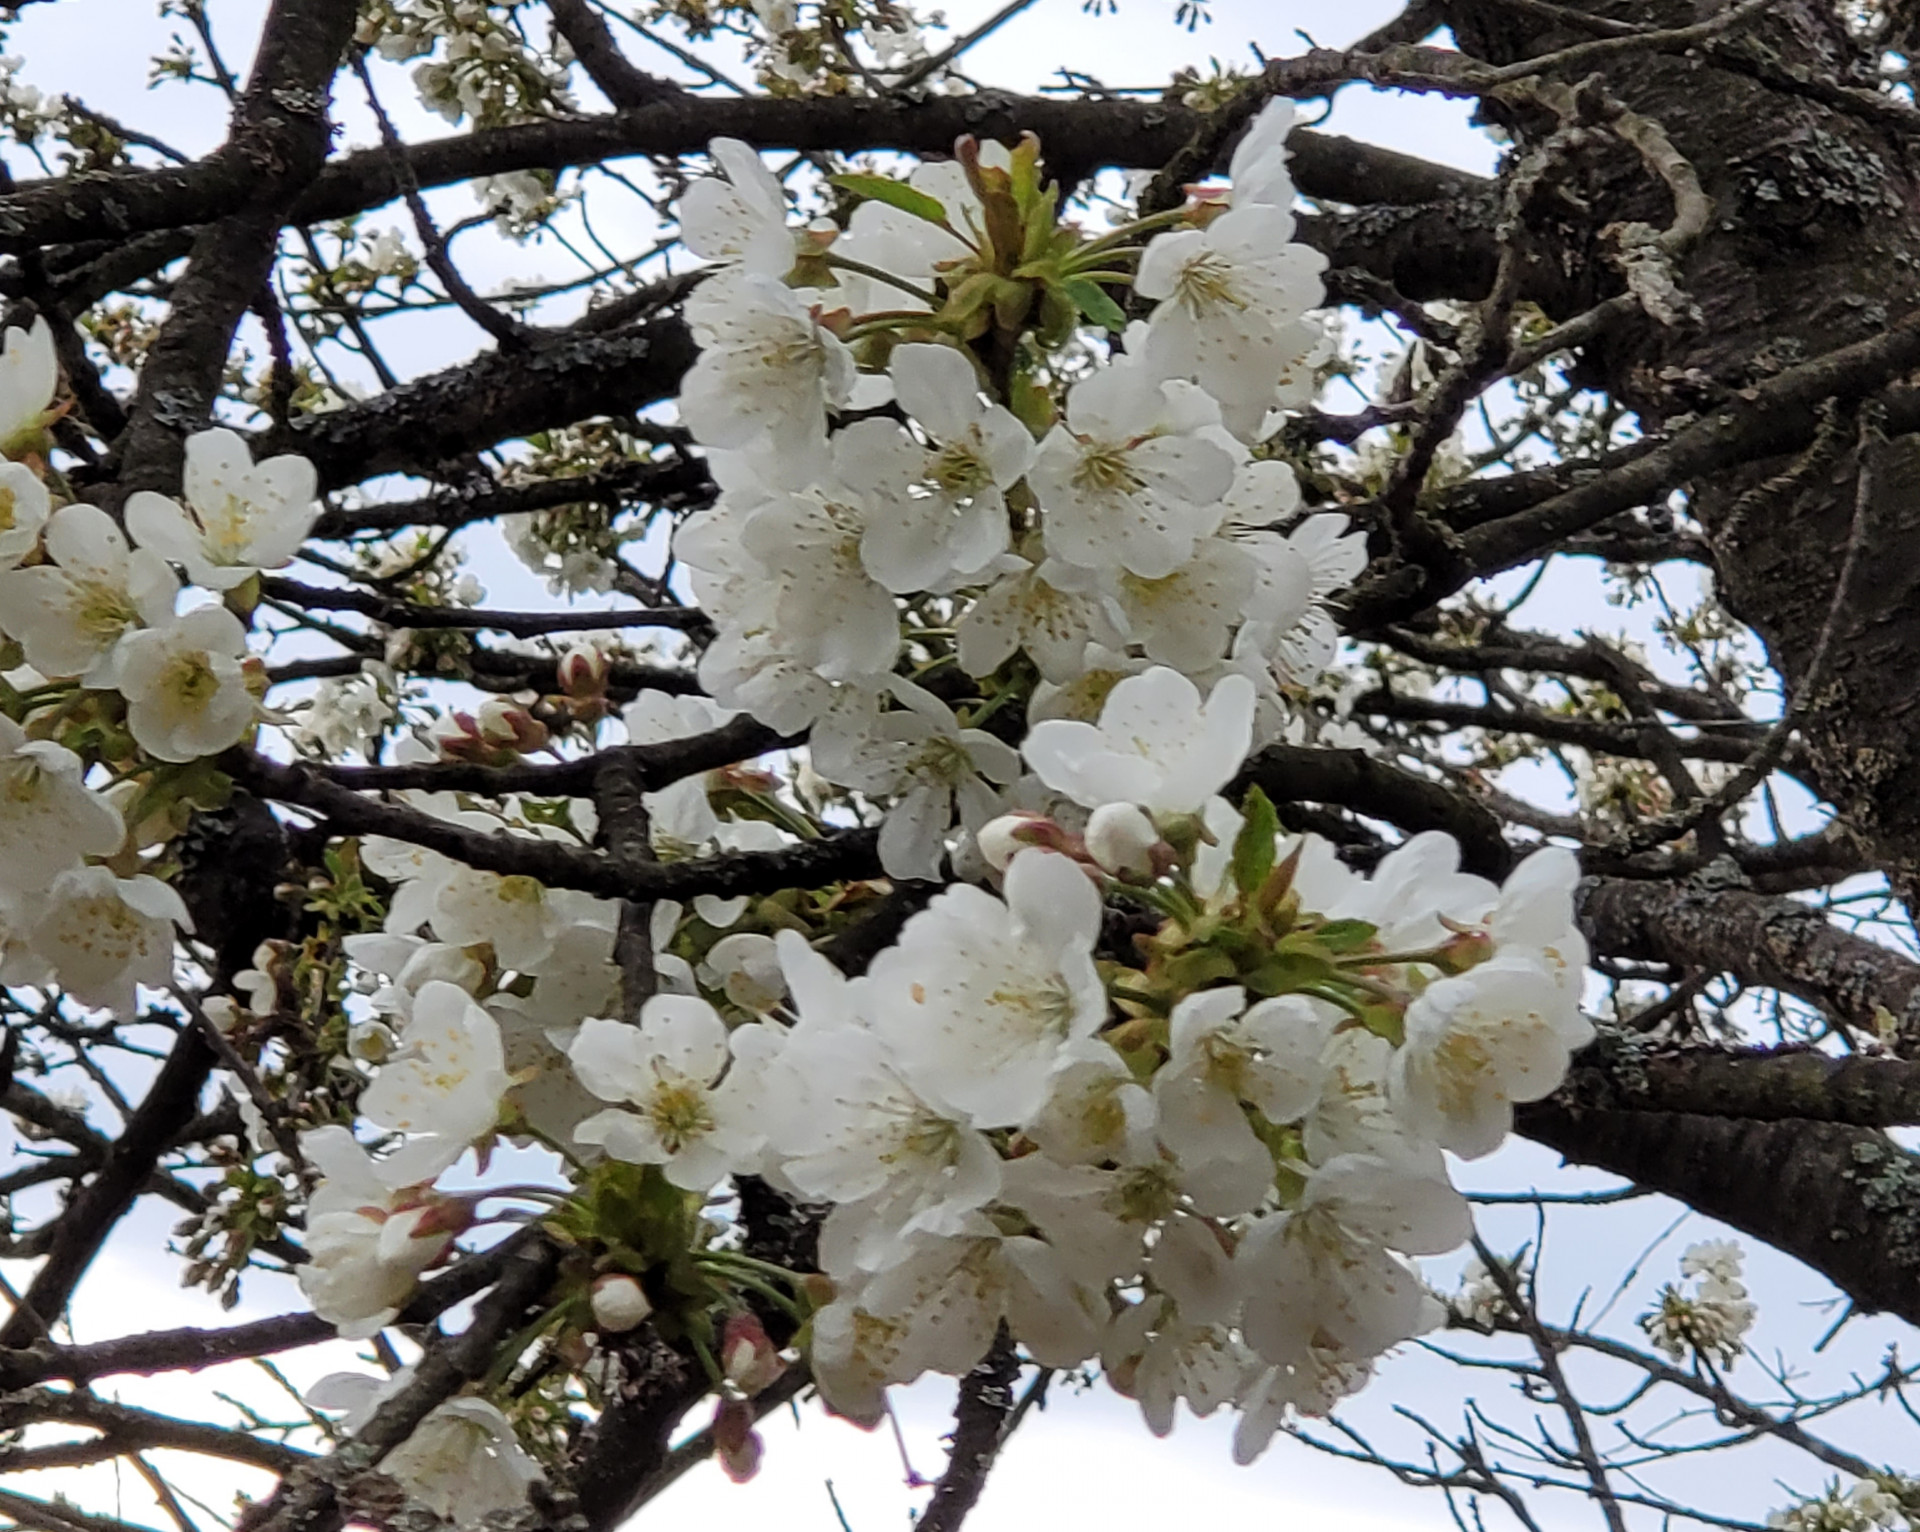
{"x": 750, "y": 1364}
{"x": 1120, "y": 840}
{"x": 499, "y": 734}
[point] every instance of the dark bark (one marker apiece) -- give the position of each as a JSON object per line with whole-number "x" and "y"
{"x": 1817, "y": 212}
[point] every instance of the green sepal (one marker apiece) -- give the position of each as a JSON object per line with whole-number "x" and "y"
{"x": 1253, "y": 847}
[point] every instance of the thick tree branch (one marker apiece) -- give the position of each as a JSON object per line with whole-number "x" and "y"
{"x": 1774, "y": 943}
{"x": 1118, "y": 132}
{"x": 279, "y": 141}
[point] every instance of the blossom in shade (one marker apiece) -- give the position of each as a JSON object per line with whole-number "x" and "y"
{"x": 49, "y": 818}
{"x": 674, "y": 1112}
{"x": 104, "y": 935}
{"x": 186, "y": 693}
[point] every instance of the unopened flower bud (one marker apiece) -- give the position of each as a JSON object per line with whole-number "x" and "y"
{"x": 583, "y": 672}
{"x": 1468, "y": 949}
{"x": 735, "y": 1443}
{"x": 1121, "y": 840}
{"x": 1001, "y": 840}
{"x": 511, "y": 726}
{"x": 619, "y": 1304}
{"x": 498, "y": 735}
{"x": 747, "y": 1354}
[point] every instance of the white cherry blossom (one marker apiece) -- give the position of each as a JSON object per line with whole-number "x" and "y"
{"x": 1096, "y": 1219}
{"x": 909, "y": 247}
{"x": 1535, "y": 912}
{"x": 855, "y": 1133}
{"x": 1156, "y": 745}
{"x": 940, "y": 513}
{"x": 29, "y": 373}
{"x": 49, "y": 819}
{"x": 72, "y": 614}
{"x": 741, "y": 220}
{"x": 1331, "y": 1266}
{"x": 665, "y": 1072}
{"x": 1052, "y": 609}
{"x": 445, "y": 1081}
{"x": 1224, "y": 1056}
{"x": 516, "y": 915}
{"x": 240, "y": 517}
{"x": 103, "y": 935}
{"x": 186, "y": 694}
{"x": 1475, "y": 1045}
{"x": 1186, "y": 618}
{"x": 1097, "y": 1112}
{"x": 680, "y": 817}
{"x": 1229, "y": 304}
{"x": 24, "y": 508}
{"x": 1156, "y": 1355}
{"x": 979, "y": 998}
{"x": 367, "y": 1239}
{"x": 1258, "y": 169}
{"x": 1354, "y": 1114}
{"x": 463, "y": 1462}
{"x": 767, "y": 370}
{"x": 920, "y": 761}
{"x": 1127, "y": 479}
{"x": 938, "y": 1309}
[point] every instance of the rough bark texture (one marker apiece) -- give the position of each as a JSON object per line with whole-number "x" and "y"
{"x": 1816, "y": 216}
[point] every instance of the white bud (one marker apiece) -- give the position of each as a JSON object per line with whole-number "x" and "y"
{"x": 1002, "y": 839}
{"x": 1121, "y": 839}
{"x": 618, "y": 1304}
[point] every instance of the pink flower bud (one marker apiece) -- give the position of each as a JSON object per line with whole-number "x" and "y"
{"x": 747, "y": 1355}
{"x": 510, "y": 726}
{"x": 735, "y": 1443}
{"x": 1002, "y": 839}
{"x": 618, "y": 1304}
{"x": 583, "y": 672}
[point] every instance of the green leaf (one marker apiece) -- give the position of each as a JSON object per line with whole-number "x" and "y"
{"x": 894, "y": 194}
{"x": 1092, "y": 300}
{"x": 1345, "y": 935}
{"x": 1253, "y": 846}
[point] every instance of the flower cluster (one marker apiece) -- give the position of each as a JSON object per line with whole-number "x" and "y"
{"x": 1865, "y": 1507}
{"x": 124, "y": 667}
{"x": 1150, "y": 1083}
{"x": 969, "y": 527}
{"x": 483, "y": 68}
{"x": 1712, "y": 1321}
{"x": 1210, "y": 1170}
